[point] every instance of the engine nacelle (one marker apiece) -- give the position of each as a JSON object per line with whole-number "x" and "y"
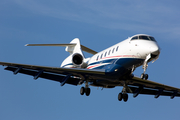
{"x": 78, "y": 60}
{"x": 75, "y": 60}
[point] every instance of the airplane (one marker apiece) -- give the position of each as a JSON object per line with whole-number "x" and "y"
{"x": 109, "y": 68}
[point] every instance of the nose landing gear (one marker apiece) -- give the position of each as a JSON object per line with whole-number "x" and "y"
{"x": 144, "y": 76}
{"x": 145, "y": 65}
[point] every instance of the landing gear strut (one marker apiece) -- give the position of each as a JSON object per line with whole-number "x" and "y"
{"x": 145, "y": 65}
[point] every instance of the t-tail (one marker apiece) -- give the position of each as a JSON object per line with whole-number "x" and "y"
{"x": 76, "y": 59}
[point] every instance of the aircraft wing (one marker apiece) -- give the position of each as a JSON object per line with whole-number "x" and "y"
{"x": 140, "y": 86}
{"x": 63, "y": 75}
{"x": 74, "y": 76}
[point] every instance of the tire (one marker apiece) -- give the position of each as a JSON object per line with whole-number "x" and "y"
{"x": 146, "y": 76}
{"x": 120, "y": 96}
{"x": 142, "y": 76}
{"x": 125, "y": 97}
{"x": 82, "y": 90}
{"x": 88, "y": 90}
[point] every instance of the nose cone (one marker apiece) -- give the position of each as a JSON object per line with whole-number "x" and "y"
{"x": 155, "y": 50}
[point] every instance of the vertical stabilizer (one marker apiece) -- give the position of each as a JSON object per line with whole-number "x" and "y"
{"x": 76, "y": 48}
{"x": 76, "y": 58}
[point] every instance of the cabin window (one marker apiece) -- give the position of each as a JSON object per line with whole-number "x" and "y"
{"x": 109, "y": 52}
{"x": 113, "y": 50}
{"x": 101, "y": 56}
{"x": 105, "y": 54}
{"x": 97, "y": 57}
{"x": 117, "y": 48}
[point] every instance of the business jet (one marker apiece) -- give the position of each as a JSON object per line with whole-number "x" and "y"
{"x": 109, "y": 68}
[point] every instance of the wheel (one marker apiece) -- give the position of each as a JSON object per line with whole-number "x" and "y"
{"x": 125, "y": 97}
{"x": 82, "y": 91}
{"x": 146, "y": 76}
{"x": 120, "y": 96}
{"x": 142, "y": 76}
{"x": 130, "y": 76}
{"x": 88, "y": 90}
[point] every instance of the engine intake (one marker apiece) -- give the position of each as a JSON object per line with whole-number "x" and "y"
{"x": 77, "y": 59}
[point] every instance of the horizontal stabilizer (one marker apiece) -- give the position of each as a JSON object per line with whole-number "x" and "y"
{"x": 86, "y": 49}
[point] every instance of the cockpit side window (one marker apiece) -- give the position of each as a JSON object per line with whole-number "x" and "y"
{"x": 152, "y": 38}
{"x": 135, "y": 38}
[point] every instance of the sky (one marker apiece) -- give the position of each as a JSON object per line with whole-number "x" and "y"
{"x": 98, "y": 24}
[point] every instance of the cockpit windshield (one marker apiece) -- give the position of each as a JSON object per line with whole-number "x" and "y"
{"x": 143, "y": 37}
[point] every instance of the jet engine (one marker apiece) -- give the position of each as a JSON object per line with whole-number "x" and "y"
{"x": 75, "y": 60}
{"x": 78, "y": 60}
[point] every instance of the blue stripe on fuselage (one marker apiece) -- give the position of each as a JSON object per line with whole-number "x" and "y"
{"x": 125, "y": 62}
{"x": 119, "y": 66}
{"x": 129, "y": 62}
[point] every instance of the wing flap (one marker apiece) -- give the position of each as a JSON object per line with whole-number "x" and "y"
{"x": 64, "y": 71}
{"x": 141, "y": 86}
{"x": 52, "y": 73}
{"x": 148, "y": 91}
{"x": 151, "y": 84}
{"x": 46, "y": 75}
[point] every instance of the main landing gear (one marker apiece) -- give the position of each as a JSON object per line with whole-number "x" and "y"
{"x": 85, "y": 89}
{"x": 123, "y": 95}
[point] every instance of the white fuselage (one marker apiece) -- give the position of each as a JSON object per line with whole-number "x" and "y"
{"x": 120, "y": 58}
{"x": 138, "y": 49}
